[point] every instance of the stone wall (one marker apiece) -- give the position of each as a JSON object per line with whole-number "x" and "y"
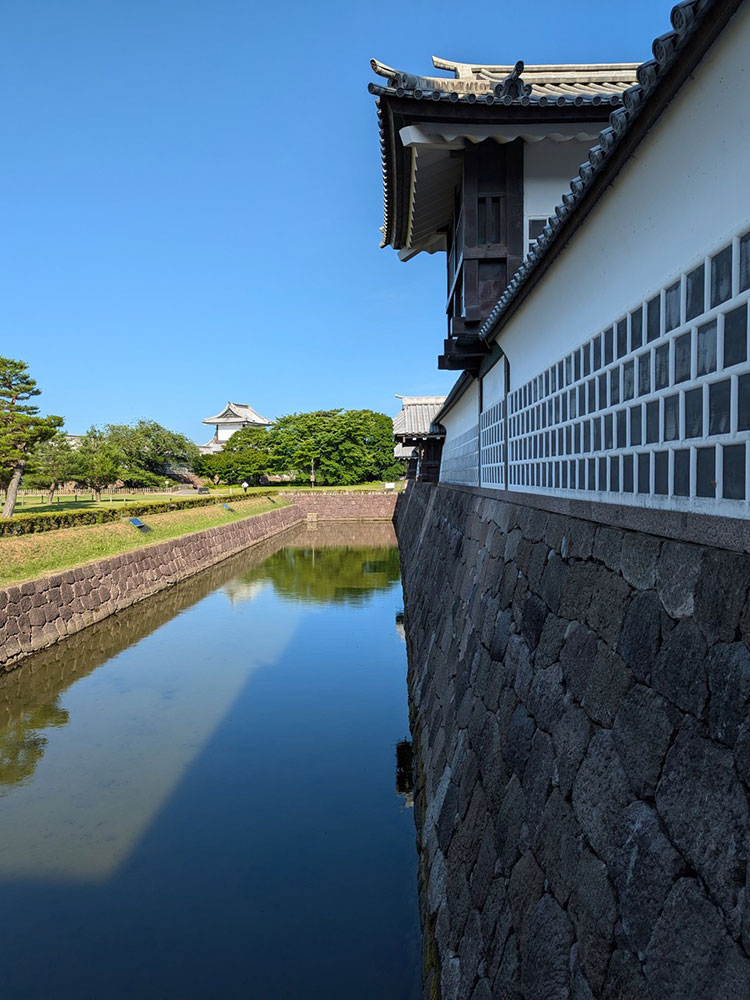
{"x": 353, "y": 506}
{"x": 39, "y": 613}
{"x": 579, "y": 697}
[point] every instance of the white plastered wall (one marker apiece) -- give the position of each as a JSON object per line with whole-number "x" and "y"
{"x": 685, "y": 190}
{"x": 547, "y": 171}
{"x": 460, "y": 459}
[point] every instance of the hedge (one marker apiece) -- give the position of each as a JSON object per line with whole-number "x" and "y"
{"x": 27, "y": 524}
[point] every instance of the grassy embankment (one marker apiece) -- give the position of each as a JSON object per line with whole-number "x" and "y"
{"x": 34, "y": 503}
{"x": 25, "y": 557}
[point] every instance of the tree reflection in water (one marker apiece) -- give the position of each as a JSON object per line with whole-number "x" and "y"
{"x": 22, "y": 744}
{"x": 328, "y": 575}
{"x": 306, "y": 563}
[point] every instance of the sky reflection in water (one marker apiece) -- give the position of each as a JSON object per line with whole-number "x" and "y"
{"x": 212, "y": 811}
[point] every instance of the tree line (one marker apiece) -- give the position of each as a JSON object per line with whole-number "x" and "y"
{"x": 327, "y": 447}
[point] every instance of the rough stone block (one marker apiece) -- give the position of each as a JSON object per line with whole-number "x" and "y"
{"x": 518, "y": 742}
{"x": 679, "y": 671}
{"x": 450, "y": 978}
{"x": 609, "y": 596}
{"x": 600, "y": 793}
{"x": 525, "y": 889}
{"x": 576, "y": 657}
{"x": 546, "y": 700}
{"x": 607, "y": 547}
{"x": 625, "y": 979}
{"x": 533, "y": 614}
{"x": 545, "y": 952}
{"x": 553, "y": 581}
{"x": 505, "y": 979}
{"x": 705, "y": 810}
{"x": 720, "y": 594}
{"x": 510, "y": 818}
{"x": 677, "y": 577}
{"x": 644, "y": 868}
{"x": 537, "y": 564}
{"x": 580, "y": 583}
{"x": 551, "y": 641}
{"x": 470, "y": 954}
{"x": 592, "y": 909}
{"x": 641, "y": 633}
{"x": 728, "y": 670}
{"x": 638, "y": 559}
{"x": 467, "y": 779}
{"x": 742, "y": 752}
{"x": 571, "y": 736}
{"x": 607, "y": 682}
{"x": 557, "y": 847}
{"x": 467, "y": 837}
{"x": 458, "y": 896}
{"x": 497, "y": 919}
{"x": 642, "y": 731}
{"x": 691, "y": 954}
{"x": 537, "y": 784}
{"x": 578, "y": 542}
{"x": 490, "y": 760}
{"x": 518, "y": 665}
{"x": 484, "y": 868}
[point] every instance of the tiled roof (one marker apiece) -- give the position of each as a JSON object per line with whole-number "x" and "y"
{"x": 417, "y": 415}
{"x": 544, "y": 84}
{"x": 233, "y": 412}
{"x": 552, "y": 87}
{"x": 686, "y": 18}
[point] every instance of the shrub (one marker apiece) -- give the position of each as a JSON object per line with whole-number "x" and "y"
{"x": 27, "y": 524}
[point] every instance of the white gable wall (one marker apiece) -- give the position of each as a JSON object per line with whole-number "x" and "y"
{"x": 603, "y": 405}
{"x": 685, "y": 191}
{"x": 548, "y": 168}
{"x": 460, "y": 458}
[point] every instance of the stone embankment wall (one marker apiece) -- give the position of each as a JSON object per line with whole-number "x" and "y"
{"x": 345, "y": 506}
{"x": 39, "y": 613}
{"x": 579, "y": 698}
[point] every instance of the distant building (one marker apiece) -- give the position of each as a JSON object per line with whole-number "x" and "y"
{"x": 234, "y": 417}
{"x": 419, "y": 439}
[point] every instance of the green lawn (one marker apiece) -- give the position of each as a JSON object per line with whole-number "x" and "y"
{"x": 25, "y": 557}
{"x": 35, "y": 503}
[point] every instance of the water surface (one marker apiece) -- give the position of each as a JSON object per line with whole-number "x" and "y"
{"x": 197, "y": 796}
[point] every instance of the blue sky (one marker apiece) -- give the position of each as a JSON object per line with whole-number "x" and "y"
{"x": 191, "y": 196}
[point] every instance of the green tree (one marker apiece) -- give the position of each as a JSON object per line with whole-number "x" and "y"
{"x": 147, "y": 447}
{"x": 98, "y": 461}
{"x": 334, "y": 447}
{"x": 52, "y": 464}
{"x": 300, "y": 442}
{"x": 21, "y": 427}
{"x": 245, "y": 456}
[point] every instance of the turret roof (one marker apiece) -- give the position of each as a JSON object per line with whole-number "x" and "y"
{"x": 234, "y": 412}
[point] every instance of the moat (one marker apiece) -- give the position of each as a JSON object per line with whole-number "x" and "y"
{"x": 197, "y": 795}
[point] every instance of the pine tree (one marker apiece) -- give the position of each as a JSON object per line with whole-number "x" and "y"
{"x": 21, "y": 427}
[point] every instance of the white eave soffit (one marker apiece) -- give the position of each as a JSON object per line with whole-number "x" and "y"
{"x": 446, "y": 136}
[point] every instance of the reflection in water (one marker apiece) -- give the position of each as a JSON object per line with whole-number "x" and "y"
{"x": 326, "y": 575}
{"x": 405, "y": 771}
{"x": 22, "y": 744}
{"x": 29, "y": 694}
{"x": 329, "y": 563}
{"x": 169, "y": 826}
